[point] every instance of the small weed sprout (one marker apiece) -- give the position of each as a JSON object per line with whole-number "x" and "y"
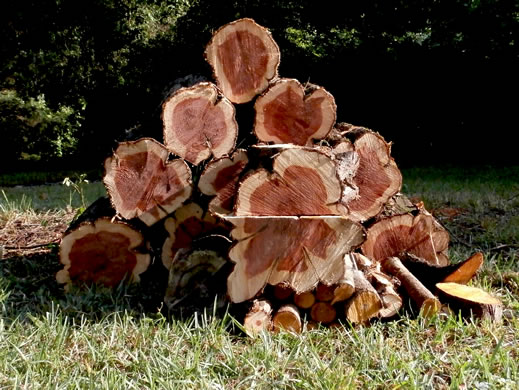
{"x": 78, "y": 186}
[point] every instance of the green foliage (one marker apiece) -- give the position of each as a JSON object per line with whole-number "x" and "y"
{"x": 33, "y": 130}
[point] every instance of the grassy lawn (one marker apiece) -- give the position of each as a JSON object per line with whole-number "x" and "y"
{"x": 122, "y": 339}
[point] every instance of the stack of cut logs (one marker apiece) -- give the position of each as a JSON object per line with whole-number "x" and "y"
{"x": 312, "y": 207}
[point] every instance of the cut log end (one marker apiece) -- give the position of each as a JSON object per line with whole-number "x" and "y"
{"x": 102, "y": 252}
{"x": 370, "y": 175}
{"x": 285, "y": 114}
{"x": 471, "y": 300}
{"x": 304, "y": 182}
{"x": 304, "y": 300}
{"x": 419, "y": 235}
{"x": 199, "y": 122}
{"x": 323, "y": 312}
{"x": 142, "y": 183}
{"x": 259, "y": 317}
{"x": 466, "y": 270}
{"x": 300, "y": 252}
{"x": 287, "y": 318}
{"x": 244, "y": 58}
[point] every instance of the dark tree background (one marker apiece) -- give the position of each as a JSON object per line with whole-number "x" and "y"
{"x": 438, "y": 78}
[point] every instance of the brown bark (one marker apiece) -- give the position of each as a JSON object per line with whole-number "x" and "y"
{"x": 304, "y": 300}
{"x": 259, "y": 317}
{"x": 199, "y": 122}
{"x": 220, "y": 179}
{"x": 471, "y": 300}
{"x": 323, "y": 312}
{"x": 102, "y": 251}
{"x": 287, "y": 318}
{"x": 299, "y": 252}
{"x": 304, "y": 182}
{"x": 244, "y": 58}
{"x": 427, "y": 303}
{"x": 190, "y": 275}
{"x": 188, "y": 223}
{"x": 419, "y": 235}
{"x": 369, "y": 175}
{"x": 142, "y": 182}
{"x": 287, "y": 113}
{"x": 365, "y": 303}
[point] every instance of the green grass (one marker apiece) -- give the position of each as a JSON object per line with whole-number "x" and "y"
{"x": 97, "y": 338}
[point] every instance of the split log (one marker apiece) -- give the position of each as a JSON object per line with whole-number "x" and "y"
{"x": 304, "y": 182}
{"x": 370, "y": 176}
{"x": 287, "y": 113}
{"x": 386, "y": 289}
{"x": 419, "y": 235}
{"x": 220, "y": 179}
{"x": 101, "y": 250}
{"x": 142, "y": 182}
{"x": 323, "y": 312}
{"x": 244, "y": 58}
{"x": 287, "y": 318}
{"x": 259, "y": 317}
{"x": 297, "y": 251}
{"x": 188, "y": 223}
{"x": 385, "y": 285}
{"x": 190, "y": 275}
{"x": 465, "y": 270}
{"x": 199, "y": 122}
{"x": 427, "y": 303}
{"x": 365, "y": 303}
{"x": 346, "y": 284}
{"x": 471, "y": 300}
{"x": 430, "y": 274}
{"x": 304, "y": 300}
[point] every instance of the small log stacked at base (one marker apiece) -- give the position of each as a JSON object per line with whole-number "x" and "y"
{"x": 259, "y": 317}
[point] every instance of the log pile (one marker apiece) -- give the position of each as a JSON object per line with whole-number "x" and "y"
{"x": 319, "y": 228}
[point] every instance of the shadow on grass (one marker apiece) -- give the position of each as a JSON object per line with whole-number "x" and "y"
{"x": 28, "y": 288}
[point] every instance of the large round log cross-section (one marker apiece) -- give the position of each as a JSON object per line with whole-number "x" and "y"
{"x": 102, "y": 252}
{"x": 199, "y": 122}
{"x": 244, "y": 58}
{"x": 142, "y": 182}
{"x": 286, "y": 113}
